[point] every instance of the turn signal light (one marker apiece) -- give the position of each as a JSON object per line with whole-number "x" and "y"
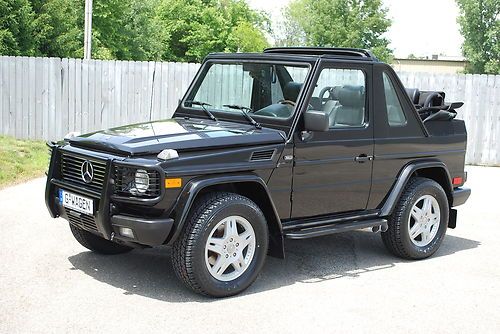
{"x": 173, "y": 183}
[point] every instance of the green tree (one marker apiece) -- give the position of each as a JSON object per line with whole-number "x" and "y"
{"x": 58, "y": 28}
{"x": 177, "y": 30}
{"x": 480, "y": 26}
{"x": 191, "y": 29}
{"x": 339, "y": 23}
{"x": 125, "y": 29}
{"x": 121, "y": 29}
{"x": 16, "y": 28}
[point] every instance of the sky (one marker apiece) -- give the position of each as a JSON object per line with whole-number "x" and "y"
{"x": 419, "y": 27}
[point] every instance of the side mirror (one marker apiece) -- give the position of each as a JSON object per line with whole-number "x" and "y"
{"x": 316, "y": 120}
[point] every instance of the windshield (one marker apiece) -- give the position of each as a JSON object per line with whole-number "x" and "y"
{"x": 257, "y": 88}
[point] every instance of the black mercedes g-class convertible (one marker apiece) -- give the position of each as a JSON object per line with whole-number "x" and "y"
{"x": 292, "y": 143}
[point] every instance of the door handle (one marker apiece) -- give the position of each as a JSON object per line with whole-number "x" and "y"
{"x": 363, "y": 158}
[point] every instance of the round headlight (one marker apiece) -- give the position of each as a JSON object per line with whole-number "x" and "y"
{"x": 141, "y": 181}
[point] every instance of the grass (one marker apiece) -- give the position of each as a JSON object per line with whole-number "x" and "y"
{"x": 21, "y": 160}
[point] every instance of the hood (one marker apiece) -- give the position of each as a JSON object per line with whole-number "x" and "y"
{"x": 178, "y": 134}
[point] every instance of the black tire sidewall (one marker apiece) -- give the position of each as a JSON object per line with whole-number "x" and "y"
{"x": 235, "y": 207}
{"x": 435, "y": 190}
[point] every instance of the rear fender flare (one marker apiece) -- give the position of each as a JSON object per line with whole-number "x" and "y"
{"x": 403, "y": 178}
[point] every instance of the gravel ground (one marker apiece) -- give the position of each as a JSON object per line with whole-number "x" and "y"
{"x": 343, "y": 283}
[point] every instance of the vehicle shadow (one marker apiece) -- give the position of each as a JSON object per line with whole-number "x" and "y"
{"x": 149, "y": 272}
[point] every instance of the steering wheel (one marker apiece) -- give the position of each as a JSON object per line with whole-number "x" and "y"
{"x": 323, "y": 99}
{"x": 291, "y": 103}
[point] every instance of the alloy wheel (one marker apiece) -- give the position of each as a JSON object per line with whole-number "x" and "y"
{"x": 230, "y": 248}
{"x": 424, "y": 220}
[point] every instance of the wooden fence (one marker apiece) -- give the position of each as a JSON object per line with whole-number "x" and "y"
{"x": 45, "y": 98}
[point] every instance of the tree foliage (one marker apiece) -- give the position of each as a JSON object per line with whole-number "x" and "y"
{"x": 480, "y": 25}
{"x": 176, "y": 30}
{"x": 338, "y": 23}
{"x": 194, "y": 28}
{"x": 57, "y": 27}
{"x": 16, "y": 28}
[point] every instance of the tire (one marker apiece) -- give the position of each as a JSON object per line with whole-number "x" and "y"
{"x": 210, "y": 218}
{"x": 96, "y": 243}
{"x": 402, "y": 222}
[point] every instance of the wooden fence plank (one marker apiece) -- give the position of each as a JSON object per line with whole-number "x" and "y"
{"x": 25, "y": 98}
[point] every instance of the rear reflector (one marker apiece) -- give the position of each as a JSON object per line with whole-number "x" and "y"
{"x": 457, "y": 181}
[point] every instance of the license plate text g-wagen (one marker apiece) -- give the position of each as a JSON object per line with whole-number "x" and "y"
{"x": 76, "y": 202}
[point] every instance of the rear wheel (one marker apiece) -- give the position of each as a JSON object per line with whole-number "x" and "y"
{"x": 223, "y": 245}
{"x": 418, "y": 224}
{"x": 96, "y": 243}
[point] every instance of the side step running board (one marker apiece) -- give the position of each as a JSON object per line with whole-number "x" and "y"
{"x": 376, "y": 224}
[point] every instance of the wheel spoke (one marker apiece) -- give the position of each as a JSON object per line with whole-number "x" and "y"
{"x": 239, "y": 263}
{"x": 416, "y": 212}
{"x": 231, "y": 228}
{"x": 215, "y": 245}
{"x": 220, "y": 266}
{"x": 246, "y": 239}
{"x": 425, "y": 235}
{"x": 435, "y": 219}
{"x": 415, "y": 230}
{"x": 427, "y": 207}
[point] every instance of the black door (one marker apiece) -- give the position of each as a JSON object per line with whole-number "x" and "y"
{"x": 332, "y": 171}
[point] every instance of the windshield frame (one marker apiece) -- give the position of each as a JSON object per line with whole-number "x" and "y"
{"x": 221, "y": 115}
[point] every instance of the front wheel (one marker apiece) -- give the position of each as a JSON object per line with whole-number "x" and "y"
{"x": 418, "y": 224}
{"x": 96, "y": 243}
{"x": 223, "y": 245}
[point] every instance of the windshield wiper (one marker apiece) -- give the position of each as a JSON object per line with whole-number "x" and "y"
{"x": 244, "y": 111}
{"x": 203, "y": 105}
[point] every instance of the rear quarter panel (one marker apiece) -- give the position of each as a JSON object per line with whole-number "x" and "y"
{"x": 396, "y": 147}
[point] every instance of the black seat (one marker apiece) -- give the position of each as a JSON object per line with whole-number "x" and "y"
{"x": 414, "y": 94}
{"x": 351, "y": 109}
{"x": 431, "y": 99}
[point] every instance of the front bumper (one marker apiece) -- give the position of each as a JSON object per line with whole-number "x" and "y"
{"x": 148, "y": 229}
{"x": 460, "y": 196}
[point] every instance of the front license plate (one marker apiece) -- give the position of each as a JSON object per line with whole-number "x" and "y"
{"x": 76, "y": 202}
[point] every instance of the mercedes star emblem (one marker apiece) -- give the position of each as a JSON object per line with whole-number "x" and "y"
{"x": 87, "y": 171}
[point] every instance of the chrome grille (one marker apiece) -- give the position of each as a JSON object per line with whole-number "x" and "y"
{"x": 125, "y": 182}
{"x": 71, "y": 170}
{"x": 82, "y": 221}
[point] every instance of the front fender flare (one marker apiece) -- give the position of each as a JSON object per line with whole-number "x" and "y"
{"x": 195, "y": 186}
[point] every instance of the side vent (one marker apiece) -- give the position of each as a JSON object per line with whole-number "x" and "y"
{"x": 262, "y": 155}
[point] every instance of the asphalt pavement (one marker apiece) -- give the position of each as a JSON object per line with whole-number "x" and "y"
{"x": 342, "y": 283}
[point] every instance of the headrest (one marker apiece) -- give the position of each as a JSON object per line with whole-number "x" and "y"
{"x": 334, "y": 92}
{"x": 292, "y": 90}
{"x": 352, "y": 96}
{"x": 414, "y": 94}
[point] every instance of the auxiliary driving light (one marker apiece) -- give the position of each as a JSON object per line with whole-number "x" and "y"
{"x": 168, "y": 154}
{"x": 127, "y": 232}
{"x": 141, "y": 181}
